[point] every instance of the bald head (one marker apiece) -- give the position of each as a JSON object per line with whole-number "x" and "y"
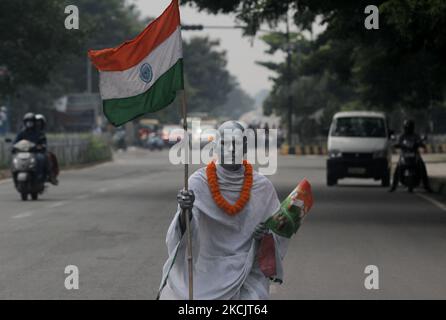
{"x": 231, "y": 125}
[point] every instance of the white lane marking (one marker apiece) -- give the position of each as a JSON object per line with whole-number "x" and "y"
{"x": 55, "y": 205}
{"x": 103, "y": 190}
{"x": 433, "y": 201}
{"x": 23, "y": 215}
{"x": 88, "y": 167}
{"x": 82, "y": 197}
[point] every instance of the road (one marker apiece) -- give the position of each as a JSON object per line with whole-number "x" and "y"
{"x": 110, "y": 221}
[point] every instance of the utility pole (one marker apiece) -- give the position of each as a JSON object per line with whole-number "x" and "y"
{"x": 291, "y": 148}
{"x": 89, "y": 76}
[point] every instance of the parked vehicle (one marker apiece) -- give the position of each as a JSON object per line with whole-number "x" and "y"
{"x": 359, "y": 147}
{"x": 171, "y": 134}
{"x": 207, "y": 134}
{"x": 146, "y": 127}
{"x": 119, "y": 140}
{"x": 154, "y": 142}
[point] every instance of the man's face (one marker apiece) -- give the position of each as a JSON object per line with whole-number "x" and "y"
{"x": 231, "y": 143}
{"x": 39, "y": 125}
{"x": 232, "y": 147}
{"x": 29, "y": 124}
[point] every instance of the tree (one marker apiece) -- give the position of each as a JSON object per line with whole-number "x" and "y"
{"x": 206, "y": 73}
{"x": 209, "y": 86}
{"x": 238, "y": 102}
{"x": 316, "y": 97}
{"x": 399, "y": 65}
{"x": 33, "y": 40}
{"x": 47, "y": 61}
{"x": 107, "y": 24}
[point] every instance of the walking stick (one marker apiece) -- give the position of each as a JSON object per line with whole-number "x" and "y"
{"x": 186, "y": 213}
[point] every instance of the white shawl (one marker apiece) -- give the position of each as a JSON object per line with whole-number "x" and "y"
{"x": 224, "y": 251}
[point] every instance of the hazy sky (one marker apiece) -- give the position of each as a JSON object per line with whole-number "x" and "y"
{"x": 241, "y": 53}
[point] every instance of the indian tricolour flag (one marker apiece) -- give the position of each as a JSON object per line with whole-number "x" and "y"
{"x": 144, "y": 74}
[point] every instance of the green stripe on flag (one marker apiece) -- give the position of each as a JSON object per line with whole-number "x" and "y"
{"x": 159, "y": 96}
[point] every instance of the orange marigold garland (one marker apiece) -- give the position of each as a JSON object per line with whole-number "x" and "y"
{"x": 232, "y": 210}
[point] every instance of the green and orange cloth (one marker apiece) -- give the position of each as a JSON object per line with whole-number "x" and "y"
{"x": 293, "y": 210}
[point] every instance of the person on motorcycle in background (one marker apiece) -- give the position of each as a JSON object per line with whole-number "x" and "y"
{"x": 29, "y": 131}
{"x": 31, "y": 134}
{"x": 409, "y": 134}
{"x": 51, "y": 160}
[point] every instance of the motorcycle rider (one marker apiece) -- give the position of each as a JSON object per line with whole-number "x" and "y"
{"x": 51, "y": 160}
{"x": 409, "y": 134}
{"x": 30, "y": 133}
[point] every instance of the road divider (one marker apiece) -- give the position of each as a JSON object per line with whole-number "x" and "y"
{"x": 305, "y": 150}
{"x": 317, "y": 149}
{"x": 71, "y": 150}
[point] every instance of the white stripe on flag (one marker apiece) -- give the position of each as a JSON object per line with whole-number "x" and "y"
{"x": 128, "y": 83}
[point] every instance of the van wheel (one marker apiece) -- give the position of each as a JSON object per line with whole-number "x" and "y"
{"x": 24, "y": 196}
{"x": 385, "y": 181}
{"x": 331, "y": 181}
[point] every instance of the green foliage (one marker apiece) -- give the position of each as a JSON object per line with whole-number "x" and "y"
{"x": 238, "y": 102}
{"x": 401, "y": 65}
{"x": 210, "y": 87}
{"x": 47, "y": 61}
{"x": 33, "y": 41}
{"x": 314, "y": 97}
{"x": 98, "y": 150}
{"x": 206, "y": 73}
{"x": 107, "y": 24}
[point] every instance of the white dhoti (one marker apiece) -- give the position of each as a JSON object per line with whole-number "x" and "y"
{"x": 224, "y": 251}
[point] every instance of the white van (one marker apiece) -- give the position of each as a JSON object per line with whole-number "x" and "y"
{"x": 359, "y": 147}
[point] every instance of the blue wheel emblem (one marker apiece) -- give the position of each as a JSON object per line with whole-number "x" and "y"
{"x": 146, "y": 73}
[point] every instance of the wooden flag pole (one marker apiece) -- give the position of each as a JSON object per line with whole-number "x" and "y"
{"x": 187, "y": 213}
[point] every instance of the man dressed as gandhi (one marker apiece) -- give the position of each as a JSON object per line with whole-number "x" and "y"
{"x": 229, "y": 203}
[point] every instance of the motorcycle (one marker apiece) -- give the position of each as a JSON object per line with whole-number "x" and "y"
{"x": 26, "y": 176}
{"x": 119, "y": 140}
{"x": 409, "y": 166}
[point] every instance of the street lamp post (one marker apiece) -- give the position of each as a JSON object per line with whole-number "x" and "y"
{"x": 89, "y": 76}
{"x": 291, "y": 148}
{"x": 5, "y": 75}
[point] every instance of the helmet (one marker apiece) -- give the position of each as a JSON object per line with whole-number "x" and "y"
{"x": 40, "y": 119}
{"x": 29, "y": 120}
{"x": 409, "y": 127}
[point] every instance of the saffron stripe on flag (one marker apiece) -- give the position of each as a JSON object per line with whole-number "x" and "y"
{"x": 130, "y": 53}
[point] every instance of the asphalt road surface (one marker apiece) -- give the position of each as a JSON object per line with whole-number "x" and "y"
{"x": 110, "y": 221}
